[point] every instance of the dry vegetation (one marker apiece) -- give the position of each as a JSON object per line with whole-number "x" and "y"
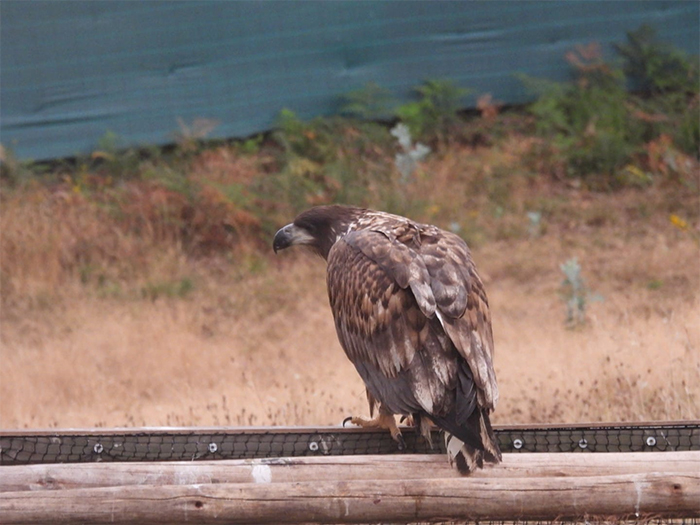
{"x": 130, "y": 303}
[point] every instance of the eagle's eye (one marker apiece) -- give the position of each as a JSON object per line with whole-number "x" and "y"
{"x": 310, "y": 228}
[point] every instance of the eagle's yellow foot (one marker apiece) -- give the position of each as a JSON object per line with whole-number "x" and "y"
{"x": 385, "y": 421}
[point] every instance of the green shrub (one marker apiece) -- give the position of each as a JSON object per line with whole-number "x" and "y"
{"x": 434, "y": 116}
{"x": 299, "y": 138}
{"x": 587, "y": 120}
{"x": 327, "y": 160}
{"x": 372, "y": 102}
{"x": 668, "y": 83}
{"x": 251, "y": 145}
{"x": 598, "y": 128}
{"x": 655, "y": 67}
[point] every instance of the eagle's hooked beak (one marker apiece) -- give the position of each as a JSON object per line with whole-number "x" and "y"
{"x": 283, "y": 238}
{"x": 291, "y": 235}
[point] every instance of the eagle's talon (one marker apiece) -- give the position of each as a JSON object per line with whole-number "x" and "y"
{"x": 401, "y": 442}
{"x": 349, "y": 418}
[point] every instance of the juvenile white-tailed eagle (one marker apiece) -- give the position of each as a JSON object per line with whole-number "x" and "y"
{"x": 412, "y": 315}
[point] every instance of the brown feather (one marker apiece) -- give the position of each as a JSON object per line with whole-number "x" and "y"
{"x": 412, "y": 315}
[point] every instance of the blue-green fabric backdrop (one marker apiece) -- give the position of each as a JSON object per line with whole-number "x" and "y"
{"x": 70, "y": 71}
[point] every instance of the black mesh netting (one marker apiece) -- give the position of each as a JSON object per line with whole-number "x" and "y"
{"x": 206, "y": 444}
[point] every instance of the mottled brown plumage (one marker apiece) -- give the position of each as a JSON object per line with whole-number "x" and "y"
{"x": 412, "y": 315}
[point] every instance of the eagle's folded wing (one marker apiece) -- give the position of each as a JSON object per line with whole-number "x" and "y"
{"x": 462, "y": 306}
{"x": 404, "y": 356}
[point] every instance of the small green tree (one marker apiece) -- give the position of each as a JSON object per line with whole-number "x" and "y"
{"x": 656, "y": 67}
{"x": 434, "y": 115}
{"x": 372, "y": 102}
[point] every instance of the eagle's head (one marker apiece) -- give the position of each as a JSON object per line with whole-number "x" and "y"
{"x": 317, "y": 228}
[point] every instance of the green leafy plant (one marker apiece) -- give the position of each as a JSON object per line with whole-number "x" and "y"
{"x": 312, "y": 140}
{"x": 587, "y": 119}
{"x": 597, "y": 128}
{"x": 434, "y": 115}
{"x": 327, "y": 160}
{"x": 371, "y": 102}
{"x": 668, "y": 81}
{"x": 656, "y": 67}
{"x": 251, "y": 146}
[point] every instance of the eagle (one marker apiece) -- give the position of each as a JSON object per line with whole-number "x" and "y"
{"x": 412, "y": 315}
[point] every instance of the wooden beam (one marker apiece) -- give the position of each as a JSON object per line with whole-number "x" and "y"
{"x": 641, "y": 495}
{"x": 575, "y": 486}
{"x": 399, "y": 467}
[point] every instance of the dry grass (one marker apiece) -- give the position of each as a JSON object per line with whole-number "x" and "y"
{"x": 261, "y": 349}
{"x": 127, "y": 319}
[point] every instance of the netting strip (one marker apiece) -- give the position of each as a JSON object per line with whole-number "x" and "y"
{"x": 193, "y": 444}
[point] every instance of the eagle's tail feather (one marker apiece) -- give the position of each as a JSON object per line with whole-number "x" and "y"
{"x": 467, "y": 458}
{"x": 492, "y": 452}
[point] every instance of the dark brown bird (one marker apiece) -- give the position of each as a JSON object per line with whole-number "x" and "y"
{"x": 412, "y": 315}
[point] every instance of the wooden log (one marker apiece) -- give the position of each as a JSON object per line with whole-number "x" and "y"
{"x": 397, "y": 467}
{"x": 637, "y": 495}
{"x": 348, "y": 489}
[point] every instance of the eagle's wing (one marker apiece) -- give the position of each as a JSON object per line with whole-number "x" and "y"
{"x": 378, "y": 321}
{"x": 379, "y": 285}
{"x": 461, "y": 305}
{"x": 378, "y": 290}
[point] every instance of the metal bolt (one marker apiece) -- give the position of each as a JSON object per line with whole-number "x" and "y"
{"x": 651, "y": 441}
{"x": 583, "y": 443}
{"x": 213, "y": 447}
{"x": 518, "y": 444}
{"x": 98, "y": 448}
{"x": 313, "y": 446}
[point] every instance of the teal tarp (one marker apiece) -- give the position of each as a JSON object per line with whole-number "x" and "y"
{"x": 71, "y": 71}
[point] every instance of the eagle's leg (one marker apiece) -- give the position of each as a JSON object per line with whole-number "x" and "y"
{"x": 421, "y": 423}
{"x": 383, "y": 420}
